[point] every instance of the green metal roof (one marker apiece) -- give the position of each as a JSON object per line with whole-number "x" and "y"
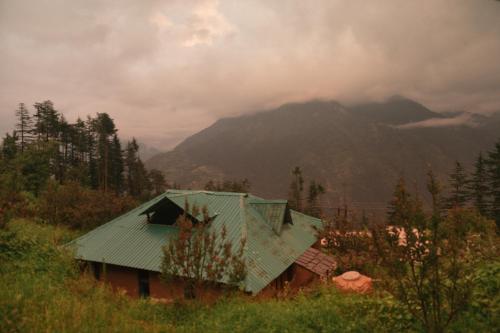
{"x": 271, "y": 245}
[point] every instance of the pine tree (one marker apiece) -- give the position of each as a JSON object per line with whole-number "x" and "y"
{"x": 79, "y": 143}
{"x": 493, "y": 167}
{"x": 91, "y": 145}
{"x": 23, "y": 126}
{"x": 399, "y": 207}
{"x": 9, "y": 147}
{"x": 158, "y": 182}
{"x": 479, "y": 186}
{"x": 296, "y": 189}
{"x": 117, "y": 165}
{"x": 459, "y": 187}
{"x": 315, "y": 191}
{"x": 137, "y": 178}
{"x": 46, "y": 121}
{"x": 62, "y": 157}
{"x": 104, "y": 128}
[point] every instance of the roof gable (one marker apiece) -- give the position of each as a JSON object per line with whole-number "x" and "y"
{"x": 272, "y": 211}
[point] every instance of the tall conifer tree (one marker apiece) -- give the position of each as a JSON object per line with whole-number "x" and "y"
{"x": 459, "y": 183}
{"x": 23, "y": 126}
{"x": 479, "y": 186}
{"x": 493, "y": 165}
{"x": 296, "y": 190}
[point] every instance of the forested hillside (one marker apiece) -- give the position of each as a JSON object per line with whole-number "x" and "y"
{"x": 356, "y": 152}
{"x": 76, "y": 173}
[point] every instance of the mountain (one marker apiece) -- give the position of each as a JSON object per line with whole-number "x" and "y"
{"x": 357, "y": 152}
{"x": 396, "y": 110}
{"x": 146, "y": 152}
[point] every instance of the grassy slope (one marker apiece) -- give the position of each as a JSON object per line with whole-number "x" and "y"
{"x": 42, "y": 291}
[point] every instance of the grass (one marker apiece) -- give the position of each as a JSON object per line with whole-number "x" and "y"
{"x": 41, "y": 290}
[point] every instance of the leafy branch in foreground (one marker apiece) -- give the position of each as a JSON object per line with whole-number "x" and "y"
{"x": 201, "y": 253}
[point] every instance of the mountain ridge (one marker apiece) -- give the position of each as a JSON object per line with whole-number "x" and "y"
{"x": 357, "y": 152}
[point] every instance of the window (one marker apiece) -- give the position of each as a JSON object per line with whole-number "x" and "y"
{"x": 143, "y": 278}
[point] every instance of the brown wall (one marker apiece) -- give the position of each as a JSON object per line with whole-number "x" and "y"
{"x": 302, "y": 277}
{"x": 124, "y": 279}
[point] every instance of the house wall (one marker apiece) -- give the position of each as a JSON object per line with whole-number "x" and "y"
{"x": 302, "y": 277}
{"x": 121, "y": 278}
{"x": 125, "y": 279}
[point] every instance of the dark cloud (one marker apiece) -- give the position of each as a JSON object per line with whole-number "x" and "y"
{"x": 164, "y": 69}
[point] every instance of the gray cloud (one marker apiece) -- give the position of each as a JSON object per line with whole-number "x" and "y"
{"x": 165, "y": 69}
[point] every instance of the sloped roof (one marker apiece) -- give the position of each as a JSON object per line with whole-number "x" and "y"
{"x": 317, "y": 262}
{"x": 271, "y": 245}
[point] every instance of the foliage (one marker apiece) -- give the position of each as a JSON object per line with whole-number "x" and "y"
{"x": 484, "y": 307}
{"x": 138, "y": 184}
{"x": 315, "y": 191}
{"x": 296, "y": 195}
{"x": 23, "y": 126}
{"x": 428, "y": 259}
{"x": 352, "y": 248}
{"x": 78, "y": 207}
{"x": 157, "y": 181}
{"x": 242, "y": 186}
{"x": 296, "y": 188}
{"x": 44, "y": 145}
{"x": 493, "y": 168}
{"x": 202, "y": 254}
{"x": 459, "y": 182}
{"x": 478, "y": 186}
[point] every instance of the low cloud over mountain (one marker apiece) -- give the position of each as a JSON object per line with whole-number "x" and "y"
{"x": 166, "y": 69}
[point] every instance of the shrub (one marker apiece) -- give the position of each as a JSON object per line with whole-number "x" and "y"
{"x": 79, "y": 207}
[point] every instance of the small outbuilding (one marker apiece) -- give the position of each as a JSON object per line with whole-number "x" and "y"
{"x": 314, "y": 265}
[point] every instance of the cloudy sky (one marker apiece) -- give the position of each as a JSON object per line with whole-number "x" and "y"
{"x": 166, "y": 69}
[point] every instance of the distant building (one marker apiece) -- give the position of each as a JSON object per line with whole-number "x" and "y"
{"x": 127, "y": 252}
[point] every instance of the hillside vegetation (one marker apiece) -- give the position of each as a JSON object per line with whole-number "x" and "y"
{"x": 41, "y": 290}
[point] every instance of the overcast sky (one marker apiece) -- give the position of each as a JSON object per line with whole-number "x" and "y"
{"x": 166, "y": 69}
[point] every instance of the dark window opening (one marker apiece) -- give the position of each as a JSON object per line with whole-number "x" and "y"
{"x": 96, "y": 268}
{"x": 143, "y": 278}
{"x": 163, "y": 212}
{"x": 290, "y": 273}
{"x": 288, "y": 215}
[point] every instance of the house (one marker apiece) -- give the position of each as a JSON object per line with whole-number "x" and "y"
{"x": 127, "y": 252}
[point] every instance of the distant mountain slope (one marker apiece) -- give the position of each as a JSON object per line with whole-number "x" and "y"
{"x": 396, "y": 110}
{"x": 358, "y": 153}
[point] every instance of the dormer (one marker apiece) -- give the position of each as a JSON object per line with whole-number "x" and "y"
{"x": 276, "y": 213}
